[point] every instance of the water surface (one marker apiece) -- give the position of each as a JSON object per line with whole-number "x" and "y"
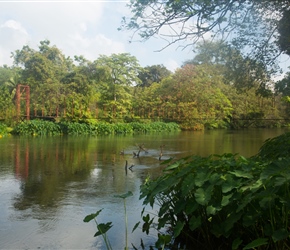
{"x": 49, "y": 184}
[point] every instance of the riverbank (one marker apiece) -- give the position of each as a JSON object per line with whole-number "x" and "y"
{"x": 40, "y": 127}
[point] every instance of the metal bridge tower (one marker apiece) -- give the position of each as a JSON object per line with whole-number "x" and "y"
{"x": 22, "y": 92}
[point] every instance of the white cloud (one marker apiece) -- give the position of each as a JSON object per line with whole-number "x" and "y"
{"x": 12, "y": 37}
{"x": 12, "y": 24}
{"x": 77, "y": 28}
{"x": 91, "y": 48}
{"x": 172, "y": 65}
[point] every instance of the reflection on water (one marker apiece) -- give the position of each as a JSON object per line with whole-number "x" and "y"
{"x": 48, "y": 185}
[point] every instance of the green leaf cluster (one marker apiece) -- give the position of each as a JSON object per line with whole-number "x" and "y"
{"x": 224, "y": 201}
{"x": 37, "y": 127}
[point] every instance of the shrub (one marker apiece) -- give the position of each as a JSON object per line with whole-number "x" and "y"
{"x": 3, "y": 129}
{"x": 123, "y": 128}
{"x": 37, "y": 127}
{"x": 221, "y": 202}
{"x": 40, "y": 127}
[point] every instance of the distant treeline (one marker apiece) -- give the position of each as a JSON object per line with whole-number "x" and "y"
{"x": 203, "y": 93}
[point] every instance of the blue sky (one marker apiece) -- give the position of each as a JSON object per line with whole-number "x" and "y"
{"x": 87, "y": 28}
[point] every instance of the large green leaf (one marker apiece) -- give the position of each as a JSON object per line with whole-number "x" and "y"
{"x": 92, "y": 216}
{"x": 203, "y": 196}
{"x": 280, "y": 234}
{"x": 241, "y": 174}
{"x": 178, "y": 228}
{"x": 256, "y": 243}
{"x": 201, "y": 177}
{"x": 236, "y": 243}
{"x": 226, "y": 200}
{"x": 103, "y": 228}
{"x": 194, "y": 222}
{"x": 187, "y": 184}
{"x": 230, "y": 221}
{"x": 229, "y": 183}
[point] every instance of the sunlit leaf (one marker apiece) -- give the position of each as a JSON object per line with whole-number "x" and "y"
{"x": 203, "y": 196}
{"x": 173, "y": 166}
{"x": 226, "y": 200}
{"x": 240, "y": 173}
{"x": 211, "y": 210}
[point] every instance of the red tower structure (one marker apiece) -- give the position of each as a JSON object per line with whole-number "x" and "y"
{"x": 23, "y": 92}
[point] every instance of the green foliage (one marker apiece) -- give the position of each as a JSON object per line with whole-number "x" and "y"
{"x": 3, "y": 129}
{"x": 122, "y": 128}
{"x": 223, "y": 202}
{"x": 151, "y": 74}
{"x": 37, "y": 127}
{"x": 90, "y": 127}
{"x": 275, "y": 148}
{"x": 195, "y": 96}
{"x": 75, "y": 128}
{"x": 104, "y": 227}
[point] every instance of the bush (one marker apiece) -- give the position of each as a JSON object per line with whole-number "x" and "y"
{"x": 37, "y": 127}
{"x": 3, "y": 129}
{"x": 223, "y": 202}
{"x": 40, "y": 127}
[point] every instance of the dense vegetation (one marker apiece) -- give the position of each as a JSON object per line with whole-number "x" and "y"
{"x": 223, "y": 202}
{"x": 39, "y": 127}
{"x": 116, "y": 89}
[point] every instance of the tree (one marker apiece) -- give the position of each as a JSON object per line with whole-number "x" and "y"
{"x": 43, "y": 71}
{"x": 10, "y": 77}
{"x": 239, "y": 71}
{"x": 123, "y": 71}
{"x": 251, "y": 25}
{"x": 154, "y": 73}
{"x": 191, "y": 96}
{"x": 118, "y": 73}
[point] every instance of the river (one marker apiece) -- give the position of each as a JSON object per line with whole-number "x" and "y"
{"x": 49, "y": 184}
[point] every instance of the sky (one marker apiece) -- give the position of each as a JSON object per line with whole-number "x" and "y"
{"x": 87, "y": 28}
{"x": 82, "y": 27}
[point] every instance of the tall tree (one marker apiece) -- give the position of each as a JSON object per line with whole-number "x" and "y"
{"x": 43, "y": 71}
{"x": 251, "y": 26}
{"x": 151, "y": 74}
{"x": 123, "y": 71}
{"x": 241, "y": 72}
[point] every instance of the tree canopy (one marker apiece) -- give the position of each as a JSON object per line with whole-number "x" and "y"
{"x": 259, "y": 28}
{"x": 217, "y": 88}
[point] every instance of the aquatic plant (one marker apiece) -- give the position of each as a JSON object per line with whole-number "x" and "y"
{"x": 104, "y": 227}
{"x": 222, "y": 202}
{"x": 37, "y": 127}
{"x": 40, "y": 127}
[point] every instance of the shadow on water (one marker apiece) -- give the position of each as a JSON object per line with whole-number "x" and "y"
{"x": 48, "y": 185}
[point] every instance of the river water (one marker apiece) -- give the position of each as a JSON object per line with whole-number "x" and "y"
{"x": 49, "y": 184}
